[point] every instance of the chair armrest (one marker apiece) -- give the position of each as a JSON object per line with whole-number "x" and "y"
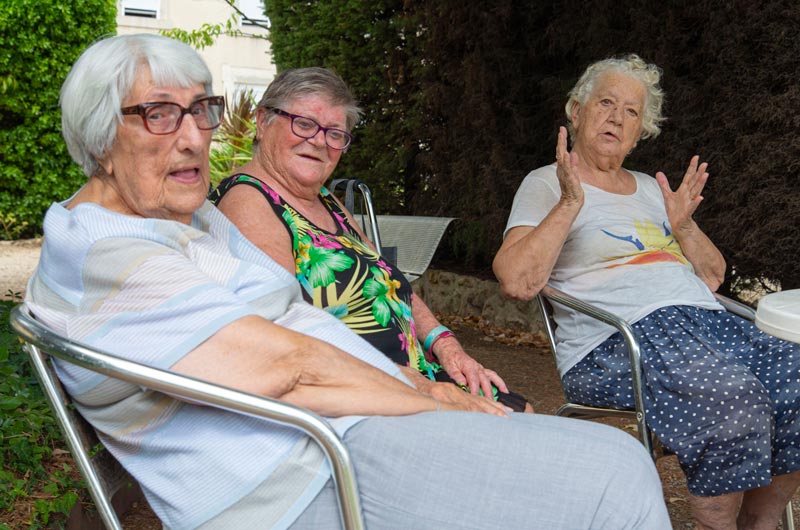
{"x": 560, "y": 297}
{"x": 199, "y": 391}
{"x": 624, "y": 328}
{"x": 736, "y": 307}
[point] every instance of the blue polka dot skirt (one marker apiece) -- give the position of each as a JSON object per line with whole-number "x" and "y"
{"x": 719, "y": 393}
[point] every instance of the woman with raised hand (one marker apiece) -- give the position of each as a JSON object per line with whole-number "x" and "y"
{"x": 715, "y": 388}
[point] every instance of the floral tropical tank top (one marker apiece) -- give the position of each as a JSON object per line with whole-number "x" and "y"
{"x": 344, "y": 276}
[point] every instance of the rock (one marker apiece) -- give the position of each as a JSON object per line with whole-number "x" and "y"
{"x": 455, "y": 294}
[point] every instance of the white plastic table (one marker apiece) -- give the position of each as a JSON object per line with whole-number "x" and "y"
{"x": 779, "y": 314}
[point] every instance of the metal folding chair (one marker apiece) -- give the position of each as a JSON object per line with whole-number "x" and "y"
{"x": 367, "y": 208}
{"x": 409, "y": 241}
{"x": 103, "y": 474}
{"x": 549, "y": 296}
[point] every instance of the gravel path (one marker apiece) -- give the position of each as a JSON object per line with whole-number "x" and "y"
{"x": 18, "y": 260}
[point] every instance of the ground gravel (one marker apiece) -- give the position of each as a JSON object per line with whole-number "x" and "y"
{"x": 18, "y": 260}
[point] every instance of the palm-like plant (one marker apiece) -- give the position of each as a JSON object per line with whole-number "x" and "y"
{"x": 233, "y": 140}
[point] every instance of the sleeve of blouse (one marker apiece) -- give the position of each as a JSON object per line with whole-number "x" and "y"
{"x": 150, "y": 303}
{"x": 534, "y": 199}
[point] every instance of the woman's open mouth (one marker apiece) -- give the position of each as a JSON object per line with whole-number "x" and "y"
{"x": 186, "y": 176}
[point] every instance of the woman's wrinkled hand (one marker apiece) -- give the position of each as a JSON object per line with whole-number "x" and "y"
{"x": 682, "y": 203}
{"x": 453, "y": 398}
{"x": 465, "y": 370}
{"x": 567, "y": 171}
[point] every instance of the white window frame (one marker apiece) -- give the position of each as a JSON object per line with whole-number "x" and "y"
{"x": 141, "y": 8}
{"x": 254, "y": 10}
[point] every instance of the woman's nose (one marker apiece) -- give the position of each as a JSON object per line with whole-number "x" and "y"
{"x": 318, "y": 139}
{"x": 190, "y": 135}
{"x": 615, "y": 115}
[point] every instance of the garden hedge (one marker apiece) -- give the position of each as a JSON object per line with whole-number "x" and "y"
{"x": 40, "y": 40}
{"x": 463, "y": 99}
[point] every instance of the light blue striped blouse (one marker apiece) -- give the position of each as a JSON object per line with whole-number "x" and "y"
{"x": 151, "y": 290}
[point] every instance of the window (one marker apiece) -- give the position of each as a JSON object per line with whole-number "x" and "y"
{"x": 255, "y": 90}
{"x": 253, "y": 10}
{"x": 141, "y": 8}
{"x": 238, "y": 79}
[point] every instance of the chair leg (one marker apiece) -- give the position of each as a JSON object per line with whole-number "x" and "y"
{"x": 788, "y": 517}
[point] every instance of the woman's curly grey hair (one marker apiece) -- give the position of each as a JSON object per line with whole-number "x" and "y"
{"x": 634, "y": 66}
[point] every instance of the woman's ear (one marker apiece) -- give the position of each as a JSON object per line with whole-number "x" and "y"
{"x": 106, "y": 165}
{"x": 261, "y": 117}
{"x": 575, "y": 115}
{"x": 261, "y": 122}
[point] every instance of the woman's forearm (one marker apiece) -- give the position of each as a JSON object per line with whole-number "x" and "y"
{"x": 705, "y": 257}
{"x": 362, "y": 394}
{"x": 424, "y": 319}
{"x": 528, "y": 254}
{"x": 257, "y": 356}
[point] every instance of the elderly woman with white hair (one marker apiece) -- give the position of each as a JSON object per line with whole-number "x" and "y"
{"x": 140, "y": 264}
{"x": 716, "y": 391}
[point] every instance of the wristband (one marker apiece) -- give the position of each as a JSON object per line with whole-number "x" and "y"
{"x": 437, "y": 339}
{"x": 435, "y": 334}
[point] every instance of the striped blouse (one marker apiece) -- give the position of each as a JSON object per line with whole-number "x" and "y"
{"x": 151, "y": 290}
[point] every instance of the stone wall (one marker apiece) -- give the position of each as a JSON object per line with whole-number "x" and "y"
{"x": 455, "y": 294}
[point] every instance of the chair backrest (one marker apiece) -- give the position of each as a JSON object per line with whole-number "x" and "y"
{"x": 42, "y": 342}
{"x": 409, "y": 241}
{"x": 416, "y": 238}
{"x": 367, "y": 208}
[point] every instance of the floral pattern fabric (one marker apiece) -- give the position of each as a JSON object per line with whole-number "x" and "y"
{"x": 341, "y": 274}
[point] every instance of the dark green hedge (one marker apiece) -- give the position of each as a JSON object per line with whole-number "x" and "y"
{"x": 40, "y": 40}
{"x": 368, "y": 43}
{"x": 465, "y": 98}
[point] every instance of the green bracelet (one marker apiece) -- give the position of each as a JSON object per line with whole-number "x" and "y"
{"x": 435, "y": 333}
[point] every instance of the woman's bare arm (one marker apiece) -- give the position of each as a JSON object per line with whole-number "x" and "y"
{"x": 528, "y": 254}
{"x": 247, "y": 208}
{"x": 255, "y": 355}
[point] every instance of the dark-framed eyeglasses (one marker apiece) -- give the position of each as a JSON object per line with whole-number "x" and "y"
{"x": 308, "y": 128}
{"x": 164, "y": 117}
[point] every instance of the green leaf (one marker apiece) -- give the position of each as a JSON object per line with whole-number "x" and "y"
{"x": 10, "y": 403}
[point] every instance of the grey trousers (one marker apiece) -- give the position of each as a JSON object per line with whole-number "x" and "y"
{"x": 457, "y": 470}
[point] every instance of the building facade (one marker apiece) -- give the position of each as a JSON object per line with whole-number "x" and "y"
{"x": 237, "y": 63}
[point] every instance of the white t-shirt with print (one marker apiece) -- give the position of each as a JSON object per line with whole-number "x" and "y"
{"x": 619, "y": 255}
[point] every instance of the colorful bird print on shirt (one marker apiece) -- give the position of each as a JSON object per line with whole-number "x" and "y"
{"x": 653, "y": 245}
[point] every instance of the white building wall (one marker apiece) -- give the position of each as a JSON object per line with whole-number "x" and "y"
{"x": 236, "y": 62}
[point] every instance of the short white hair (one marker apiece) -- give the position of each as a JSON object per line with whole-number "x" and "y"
{"x": 633, "y": 66}
{"x": 104, "y": 75}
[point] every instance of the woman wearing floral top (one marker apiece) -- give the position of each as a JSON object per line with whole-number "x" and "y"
{"x": 303, "y": 124}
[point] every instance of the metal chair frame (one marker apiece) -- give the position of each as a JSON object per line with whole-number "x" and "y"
{"x": 41, "y": 342}
{"x": 408, "y": 241}
{"x": 368, "y": 207}
{"x": 551, "y": 296}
